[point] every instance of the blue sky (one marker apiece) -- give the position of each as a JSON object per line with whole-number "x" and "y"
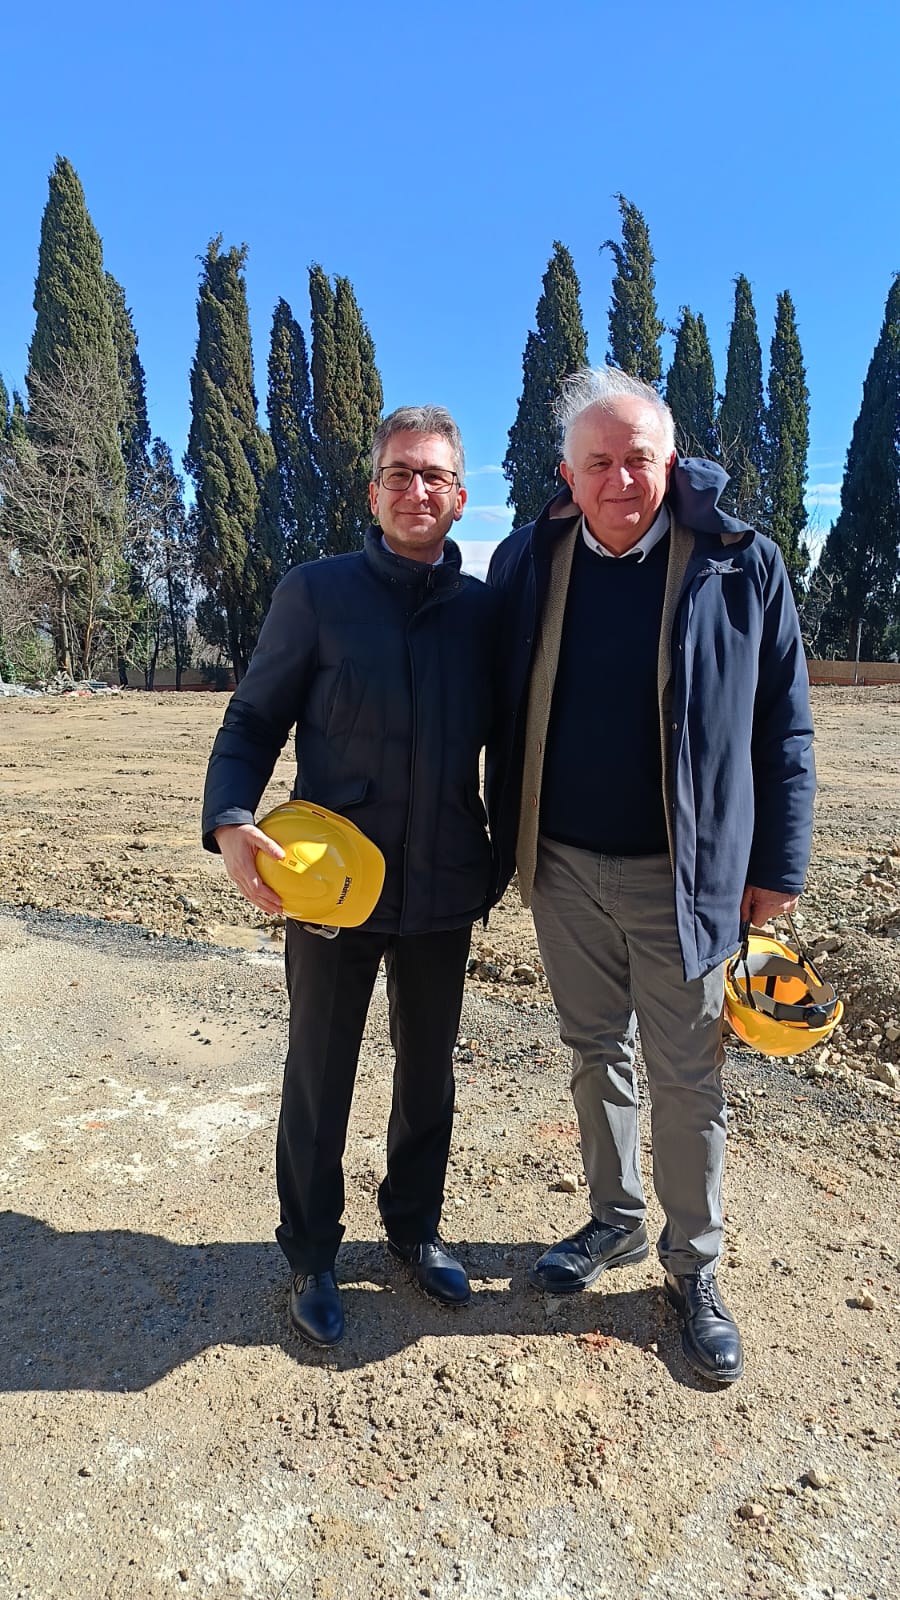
{"x": 433, "y": 155}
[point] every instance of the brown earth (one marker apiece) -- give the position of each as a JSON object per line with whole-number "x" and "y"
{"x": 163, "y": 1432}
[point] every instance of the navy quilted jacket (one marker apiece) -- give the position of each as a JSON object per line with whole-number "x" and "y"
{"x": 740, "y": 755}
{"x": 386, "y": 668}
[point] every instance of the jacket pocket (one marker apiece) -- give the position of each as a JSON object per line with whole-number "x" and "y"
{"x": 344, "y": 701}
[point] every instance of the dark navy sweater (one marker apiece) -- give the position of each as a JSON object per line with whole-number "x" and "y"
{"x": 602, "y": 778}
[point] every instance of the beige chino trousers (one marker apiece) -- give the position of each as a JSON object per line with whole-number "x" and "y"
{"x": 607, "y": 937}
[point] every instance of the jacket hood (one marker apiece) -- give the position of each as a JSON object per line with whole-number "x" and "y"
{"x": 695, "y": 487}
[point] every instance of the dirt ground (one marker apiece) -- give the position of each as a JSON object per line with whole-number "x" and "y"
{"x": 162, "y": 1431}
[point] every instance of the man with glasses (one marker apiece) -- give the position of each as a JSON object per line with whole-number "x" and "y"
{"x": 383, "y": 660}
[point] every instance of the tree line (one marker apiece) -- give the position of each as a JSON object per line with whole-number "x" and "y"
{"x": 104, "y": 564}
{"x": 102, "y": 561}
{"x": 850, "y": 600}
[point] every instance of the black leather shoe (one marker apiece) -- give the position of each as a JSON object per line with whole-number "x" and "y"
{"x": 436, "y": 1271}
{"x": 577, "y": 1262}
{"x": 709, "y": 1334}
{"x": 316, "y": 1310}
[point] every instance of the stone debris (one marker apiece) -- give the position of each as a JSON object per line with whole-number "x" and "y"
{"x": 816, "y": 1478}
{"x": 60, "y": 684}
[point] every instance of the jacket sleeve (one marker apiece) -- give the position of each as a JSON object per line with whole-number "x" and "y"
{"x": 784, "y": 780}
{"x": 263, "y": 709}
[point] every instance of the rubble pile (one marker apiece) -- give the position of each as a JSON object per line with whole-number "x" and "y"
{"x": 60, "y": 684}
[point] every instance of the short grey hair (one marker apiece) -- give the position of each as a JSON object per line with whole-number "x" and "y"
{"x": 602, "y": 387}
{"x": 419, "y": 419}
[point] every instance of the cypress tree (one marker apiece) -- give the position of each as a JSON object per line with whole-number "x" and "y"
{"x": 135, "y": 426}
{"x": 691, "y": 388}
{"x": 556, "y": 349}
{"x": 346, "y": 404}
{"x": 171, "y": 524}
{"x": 290, "y": 427}
{"x": 18, "y": 426}
{"x": 787, "y": 443}
{"x": 134, "y": 439}
{"x": 371, "y": 405}
{"x": 635, "y": 328}
{"x": 73, "y": 352}
{"x": 740, "y": 425}
{"x": 860, "y": 565}
{"x": 73, "y": 325}
{"x": 230, "y": 459}
{"x": 5, "y": 420}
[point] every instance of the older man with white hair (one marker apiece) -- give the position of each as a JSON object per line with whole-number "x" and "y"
{"x": 654, "y": 792}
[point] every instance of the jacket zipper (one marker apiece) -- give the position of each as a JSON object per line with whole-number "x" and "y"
{"x": 429, "y": 588}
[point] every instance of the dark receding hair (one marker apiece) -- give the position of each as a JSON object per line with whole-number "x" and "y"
{"x": 419, "y": 419}
{"x": 602, "y": 387}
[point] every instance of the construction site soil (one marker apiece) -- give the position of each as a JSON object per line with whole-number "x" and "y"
{"x": 163, "y": 1432}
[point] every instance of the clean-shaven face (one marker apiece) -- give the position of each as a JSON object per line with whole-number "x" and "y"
{"x": 618, "y": 470}
{"x": 415, "y": 521}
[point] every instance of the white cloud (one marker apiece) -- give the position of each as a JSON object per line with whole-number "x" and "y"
{"x": 488, "y": 471}
{"x": 823, "y": 494}
{"x": 490, "y": 514}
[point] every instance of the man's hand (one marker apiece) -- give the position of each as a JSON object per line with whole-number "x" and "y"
{"x": 239, "y": 844}
{"x": 758, "y": 905}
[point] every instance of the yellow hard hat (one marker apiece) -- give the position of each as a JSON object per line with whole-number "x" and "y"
{"x": 775, "y": 1000}
{"x": 331, "y": 873}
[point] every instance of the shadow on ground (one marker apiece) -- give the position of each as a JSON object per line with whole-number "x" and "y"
{"x": 118, "y": 1310}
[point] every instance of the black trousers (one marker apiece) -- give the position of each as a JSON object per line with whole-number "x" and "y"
{"x": 330, "y": 983}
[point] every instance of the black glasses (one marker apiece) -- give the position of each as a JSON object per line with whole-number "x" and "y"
{"x": 437, "y": 480}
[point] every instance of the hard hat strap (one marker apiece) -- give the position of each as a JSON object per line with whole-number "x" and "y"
{"x": 805, "y": 957}
{"x": 741, "y": 960}
{"x": 762, "y": 1002}
{"x": 815, "y": 1014}
{"x": 817, "y": 1008}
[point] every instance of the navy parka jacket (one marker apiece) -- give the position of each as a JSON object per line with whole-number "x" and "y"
{"x": 386, "y": 667}
{"x": 737, "y": 712}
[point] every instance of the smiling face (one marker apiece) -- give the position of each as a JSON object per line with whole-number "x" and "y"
{"x": 618, "y": 470}
{"x": 415, "y": 521}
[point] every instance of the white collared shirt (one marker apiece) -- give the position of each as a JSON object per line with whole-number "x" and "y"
{"x": 657, "y": 530}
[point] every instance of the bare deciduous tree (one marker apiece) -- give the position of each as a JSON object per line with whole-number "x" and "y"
{"x": 62, "y": 509}
{"x": 160, "y": 564}
{"x": 816, "y": 598}
{"x": 25, "y": 650}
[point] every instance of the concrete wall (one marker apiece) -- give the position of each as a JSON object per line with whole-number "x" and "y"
{"x": 853, "y": 672}
{"x": 191, "y": 678}
{"x": 845, "y": 672}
